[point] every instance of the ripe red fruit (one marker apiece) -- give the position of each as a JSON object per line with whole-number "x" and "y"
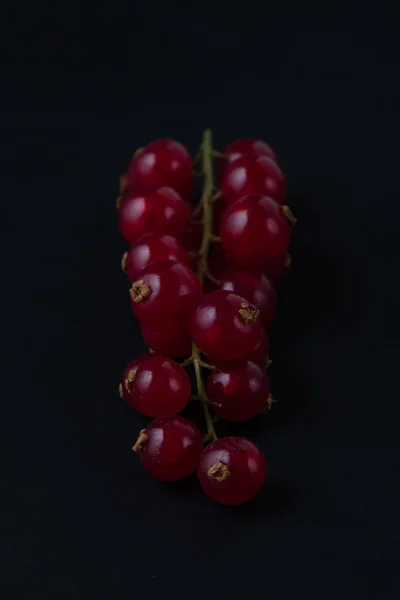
{"x": 158, "y": 209}
{"x": 131, "y": 368}
{"x": 256, "y": 231}
{"x": 165, "y": 293}
{"x": 239, "y": 390}
{"x": 259, "y": 353}
{"x": 169, "y": 448}
{"x": 225, "y": 326}
{"x": 278, "y": 268}
{"x": 255, "y": 287}
{"x": 253, "y": 174}
{"x": 232, "y": 470}
{"x": 191, "y": 240}
{"x": 162, "y": 163}
{"x": 151, "y": 248}
{"x": 174, "y": 342}
{"x": 159, "y": 386}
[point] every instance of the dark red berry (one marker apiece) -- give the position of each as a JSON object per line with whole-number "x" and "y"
{"x": 256, "y": 231}
{"x": 175, "y": 342}
{"x": 232, "y": 470}
{"x": 165, "y": 293}
{"x": 225, "y": 326}
{"x": 159, "y": 386}
{"x": 255, "y": 288}
{"x": 278, "y": 268}
{"x": 253, "y": 174}
{"x": 259, "y": 353}
{"x": 162, "y": 163}
{"x": 239, "y": 390}
{"x": 158, "y": 209}
{"x": 169, "y": 448}
{"x": 191, "y": 240}
{"x": 151, "y": 248}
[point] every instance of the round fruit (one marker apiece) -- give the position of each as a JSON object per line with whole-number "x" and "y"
{"x": 158, "y": 209}
{"x": 225, "y": 326}
{"x": 255, "y": 287}
{"x": 278, "y": 268}
{"x": 174, "y": 342}
{"x": 259, "y": 354}
{"x": 232, "y": 470}
{"x": 240, "y": 390}
{"x": 256, "y": 231}
{"x": 253, "y": 174}
{"x": 159, "y": 386}
{"x": 169, "y": 448}
{"x": 162, "y": 163}
{"x": 165, "y": 293}
{"x": 151, "y": 248}
{"x": 129, "y": 372}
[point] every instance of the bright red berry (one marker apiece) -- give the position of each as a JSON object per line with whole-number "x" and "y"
{"x": 162, "y": 163}
{"x": 256, "y": 231}
{"x": 157, "y": 209}
{"x": 225, "y": 326}
{"x": 253, "y": 174}
{"x": 174, "y": 342}
{"x": 259, "y": 353}
{"x": 131, "y": 368}
{"x": 232, "y": 470}
{"x": 239, "y": 390}
{"x": 158, "y": 386}
{"x": 165, "y": 293}
{"x": 169, "y": 448}
{"x": 255, "y": 287}
{"x": 151, "y": 248}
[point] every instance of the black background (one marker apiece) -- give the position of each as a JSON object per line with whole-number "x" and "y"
{"x": 82, "y": 87}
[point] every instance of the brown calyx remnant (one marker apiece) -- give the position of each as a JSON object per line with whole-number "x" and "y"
{"x": 129, "y": 381}
{"x": 123, "y": 185}
{"x": 267, "y": 363}
{"x": 249, "y": 314}
{"x": 118, "y": 203}
{"x": 120, "y": 390}
{"x": 137, "y": 153}
{"x": 124, "y": 262}
{"x": 270, "y": 401}
{"x": 142, "y": 439}
{"x": 139, "y": 291}
{"x": 219, "y": 471}
{"x": 291, "y": 219}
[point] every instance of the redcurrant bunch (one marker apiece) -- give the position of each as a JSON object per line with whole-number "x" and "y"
{"x": 202, "y": 285}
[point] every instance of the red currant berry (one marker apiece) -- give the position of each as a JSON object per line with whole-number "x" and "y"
{"x": 159, "y": 386}
{"x": 255, "y": 287}
{"x": 160, "y": 209}
{"x": 218, "y": 261}
{"x": 278, "y": 268}
{"x": 259, "y": 354}
{"x": 232, "y": 470}
{"x": 225, "y": 326}
{"x": 166, "y": 292}
{"x": 131, "y": 368}
{"x": 256, "y": 230}
{"x": 162, "y": 163}
{"x": 191, "y": 240}
{"x": 168, "y": 342}
{"x": 253, "y": 174}
{"x": 151, "y": 248}
{"x": 169, "y": 448}
{"x": 240, "y": 390}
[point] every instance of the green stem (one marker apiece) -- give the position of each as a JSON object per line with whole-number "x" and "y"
{"x": 202, "y": 395}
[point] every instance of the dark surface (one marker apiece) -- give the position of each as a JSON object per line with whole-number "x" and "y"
{"x": 81, "y": 89}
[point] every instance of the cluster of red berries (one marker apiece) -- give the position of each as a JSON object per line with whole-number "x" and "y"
{"x": 203, "y": 287}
